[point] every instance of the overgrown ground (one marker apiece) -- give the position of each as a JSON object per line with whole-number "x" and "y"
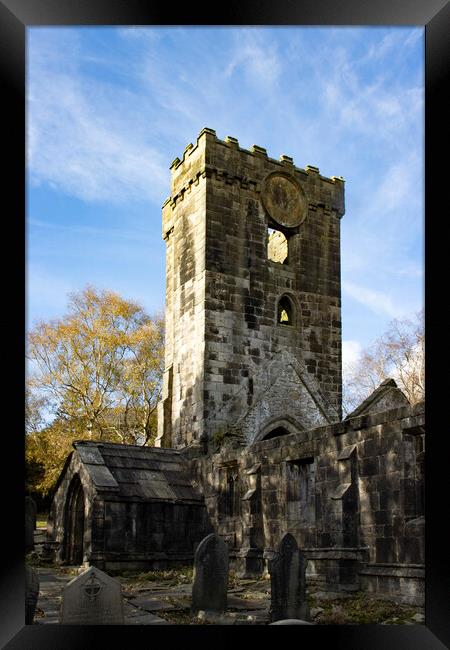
{"x": 165, "y": 596}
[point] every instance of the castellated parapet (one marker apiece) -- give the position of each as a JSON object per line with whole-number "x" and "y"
{"x": 253, "y": 330}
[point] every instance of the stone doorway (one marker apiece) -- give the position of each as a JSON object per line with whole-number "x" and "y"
{"x": 75, "y": 523}
{"x": 275, "y": 433}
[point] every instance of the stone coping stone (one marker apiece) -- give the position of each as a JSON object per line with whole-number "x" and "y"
{"x": 393, "y": 571}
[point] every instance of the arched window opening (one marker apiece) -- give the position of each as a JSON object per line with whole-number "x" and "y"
{"x": 229, "y": 498}
{"x": 285, "y": 311}
{"x": 75, "y": 523}
{"x": 301, "y": 497}
{"x": 275, "y": 433}
{"x": 277, "y": 246}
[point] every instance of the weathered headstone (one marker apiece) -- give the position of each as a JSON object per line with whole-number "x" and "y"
{"x": 92, "y": 598}
{"x": 30, "y": 524}
{"x": 209, "y": 591}
{"x": 287, "y": 582}
{"x": 31, "y": 594}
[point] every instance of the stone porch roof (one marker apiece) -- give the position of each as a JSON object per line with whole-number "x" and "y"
{"x": 386, "y": 396}
{"x": 141, "y": 473}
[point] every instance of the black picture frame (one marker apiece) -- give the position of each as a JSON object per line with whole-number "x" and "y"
{"x": 15, "y": 17}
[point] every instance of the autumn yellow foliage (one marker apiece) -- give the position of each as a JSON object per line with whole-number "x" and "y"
{"x": 94, "y": 374}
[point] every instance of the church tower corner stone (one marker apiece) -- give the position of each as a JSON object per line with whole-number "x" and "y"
{"x": 253, "y": 295}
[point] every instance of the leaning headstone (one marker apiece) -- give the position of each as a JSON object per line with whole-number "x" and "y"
{"x": 287, "y": 582}
{"x": 30, "y": 524}
{"x": 209, "y": 590}
{"x": 92, "y": 598}
{"x": 31, "y": 594}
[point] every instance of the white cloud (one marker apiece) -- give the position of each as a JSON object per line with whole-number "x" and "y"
{"x": 414, "y": 36}
{"x": 380, "y": 107}
{"x": 82, "y": 141}
{"x": 390, "y": 43}
{"x": 401, "y": 184}
{"x": 45, "y": 292}
{"x": 137, "y": 33}
{"x": 84, "y": 158}
{"x": 377, "y": 301}
{"x": 410, "y": 270}
{"x": 136, "y": 235}
{"x": 257, "y": 57}
{"x": 381, "y": 49}
{"x": 351, "y": 351}
{"x": 312, "y": 99}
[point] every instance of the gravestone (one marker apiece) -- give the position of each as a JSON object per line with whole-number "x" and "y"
{"x": 31, "y": 594}
{"x": 287, "y": 582}
{"x": 30, "y": 524}
{"x": 209, "y": 591}
{"x": 92, "y": 598}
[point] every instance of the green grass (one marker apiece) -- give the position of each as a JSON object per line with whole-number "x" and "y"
{"x": 181, "y": 575}
{"x": 360, "y": 610}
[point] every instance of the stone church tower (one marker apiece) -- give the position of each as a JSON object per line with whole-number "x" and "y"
{"x": 253, "y": 308}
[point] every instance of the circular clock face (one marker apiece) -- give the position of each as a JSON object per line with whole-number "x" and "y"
{"x": 284, "y": 200}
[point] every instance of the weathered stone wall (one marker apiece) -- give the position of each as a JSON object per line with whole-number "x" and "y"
{"x": 154, "y": 535}
{"x": 223, "y": 291}
{"x": 253, "y": 351}
{"x": 124, "y": 533}
{"x": 351, "y": 493}
{"x": 181, "y": 410}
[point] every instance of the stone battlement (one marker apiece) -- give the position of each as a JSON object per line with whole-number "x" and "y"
{"x": 226, "y": 162}
{"x": 256, "y": 150}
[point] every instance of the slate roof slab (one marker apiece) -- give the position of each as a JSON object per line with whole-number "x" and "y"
{"x": 145, "y": 473}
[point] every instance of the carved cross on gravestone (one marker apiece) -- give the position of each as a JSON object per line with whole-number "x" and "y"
{"x": 287, "y": 582}
{"x": 92, "y": 587}
{"x": 209, "y": 591}
{"x": 92, "y": 598}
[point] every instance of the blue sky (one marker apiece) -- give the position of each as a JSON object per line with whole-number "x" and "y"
{"x": 108, "y": 109}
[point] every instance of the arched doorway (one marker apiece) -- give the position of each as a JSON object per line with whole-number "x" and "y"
{"x": 275, "y": 433}
{"x": 73, "y": 553}
{"x": 278, "y": 426}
